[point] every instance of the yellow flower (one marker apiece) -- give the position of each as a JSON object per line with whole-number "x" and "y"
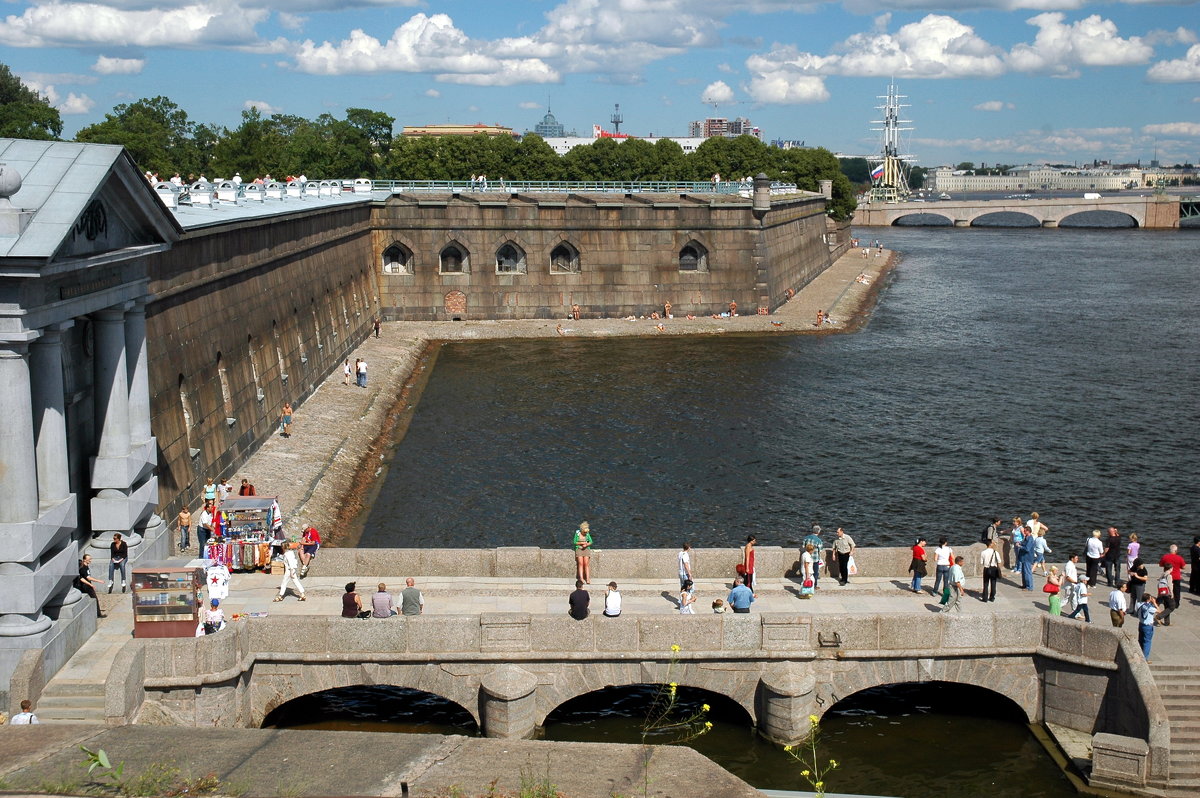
{"x": 804, "y": 773}
{"x": 787, "y": 748}
{"x": 820, "y": 785}
{"x": 833, "y": 763}
{"x": 675, "y": 647}
{"x": 708, "y": 724}
{"x": 813, "y": 719}
{"x": 674, "y": 685}
{"x": 705, "y": 707}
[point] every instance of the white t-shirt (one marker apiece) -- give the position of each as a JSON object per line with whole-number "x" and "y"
{"x": 362, "y": 367}
{"x": 1095, "y": 548}
{"x": 942, "y": 555}
{"x": 686, "y": 603}
{"x": 1071, "y": 571}
{"x": 807, "y": 559}
{"x": 685, "y": 562}
{"x": 612, "y": 603}
{"x": 24, "y": 719}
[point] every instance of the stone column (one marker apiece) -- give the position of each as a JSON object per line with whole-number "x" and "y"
{"x": 18, "y": 462}
{"x": 112, "y": 383}
{"x": 139, "y": 379}
{"x": 785, "y": 701}
{"x": 50, "y": 418}
{"x": 509, "y": 703}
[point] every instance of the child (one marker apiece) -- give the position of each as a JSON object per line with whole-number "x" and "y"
{"x": 718, "y": 606}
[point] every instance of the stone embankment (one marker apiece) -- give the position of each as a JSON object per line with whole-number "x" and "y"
{"x": 325, "y": 471}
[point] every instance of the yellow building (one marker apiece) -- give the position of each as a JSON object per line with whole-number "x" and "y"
{"x": 458, "y": 130}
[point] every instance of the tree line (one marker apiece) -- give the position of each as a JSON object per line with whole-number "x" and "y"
{"x": 162, "y": 139}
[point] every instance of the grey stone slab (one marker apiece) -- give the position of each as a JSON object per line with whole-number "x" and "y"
{"x": 855, "y": 632}
{"x": 689, "y": 632}
{"x": 563, "y": 633}
{"x": 970, "y": 631}
{"x": 617, "y": 634}
{"x": 430, "y": 633}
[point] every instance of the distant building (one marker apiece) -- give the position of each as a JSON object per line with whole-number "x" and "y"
{"x": 719, "y": 126}
{"x": 564, "y": 144}
{"x": 459, "y": 130}
{"x": 789, "y": 144}
{"x": 549, "y": 127}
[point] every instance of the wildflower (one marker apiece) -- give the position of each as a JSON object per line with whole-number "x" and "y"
{"x": 705, "y": 707}
{"x": 675, "y": 648}
{"x": 708, "y": 724}
{"x": 674, "y": 685}
{"x": 804, "y": 773}
{"x": 813, "y": 719}
{"x": 787, "y": 748}
{"x": 820, "y": 785}
{"x": 833, "y": 763}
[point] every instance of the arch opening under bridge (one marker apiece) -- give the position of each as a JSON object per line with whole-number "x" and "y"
{"x": 619, "y": 704}
{"x": 373, "y": 707}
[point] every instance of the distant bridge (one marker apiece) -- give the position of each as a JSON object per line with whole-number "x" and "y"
{"x": 1153, "y": 212}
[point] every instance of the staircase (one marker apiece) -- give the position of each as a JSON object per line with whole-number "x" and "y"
{"x": 71, "y": 703}
{"x": 1179, "y": 686}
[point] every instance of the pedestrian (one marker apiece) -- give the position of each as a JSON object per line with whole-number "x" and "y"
{"x": 223, "y": 490}
{"x": 814, "y": 537}
{"x": 210, "y": 490}
{"x": 808, "y": 569}
{"x": 346, "y": 372}
{"x": 1132, "y": 551}
{"x": 1094, "y": 553}
{"x": 1025, "y": 555}
{"x": 612, "y": 601}
{"x": 185, "y": 528}
{"x": 583, "y": 553}
{"x": 1194, "y": 580}
{"x": 83, "y": 583}
{"x": 1117, "y": 604}
{"x": 989, "y": 561}
{"x": 992, "y": 532}
{"x": 1071, "y": 581}
{"x": 1176, "y": 563}
{"x": 25, "y": 717}
{"x": 687, "y": 597}
{"x": 956, "y": 585}
{"x": 411, "y": 600}
{"x": 747, "y": 569}
{"x": 741, "y": 597}
{"x": 361, "y": 368}
{"x": 285, "y": 420}
{"x": 578, "y": 601}
{"x": 352, "y": 603}
{"x": 1053, "y": 588}
{"x": 843, "y": 546}
{"x": 1139, "y": 577}
{"x": 291, "y": 568}
{"x": 377, "y": 325}
{"x": 1040, "y": 549}
{"x": 685, "y": 564}
{"x": 310, "y": 542}
{"x": 214, "y": 617}
{"x": 943, "y": 558}
{"x": 1166, "y": 602}
{"x": 382, "y": 604}
{"x": 247, "y": 488}
{"x": 1112, "y": 557}
{"x": 204, "y": 527}
{"x": 1081, "y": 602}
{"x": 118, "y": 555}
{"x": 1147, "y": 613}
{"x": 918, "y": 567}
{"x": 1017, "y": 539}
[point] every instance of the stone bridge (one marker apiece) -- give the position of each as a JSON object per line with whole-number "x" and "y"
{"x": 1155, "y": 212}
{"x": 510, "y": 670}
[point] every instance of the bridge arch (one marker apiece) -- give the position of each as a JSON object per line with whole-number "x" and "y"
{"x": 1006, "y": 218}
{"x": 922, "y": 218}
{"x": 1100, "y": 218}
{"x": 636, "y": 701}
{"x": 378, "y": 703}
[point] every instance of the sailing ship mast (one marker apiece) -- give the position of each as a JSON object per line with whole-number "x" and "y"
{"x": 889, "y": 173}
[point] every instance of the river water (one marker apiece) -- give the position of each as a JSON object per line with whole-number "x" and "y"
{"x": 1004, "y": 371}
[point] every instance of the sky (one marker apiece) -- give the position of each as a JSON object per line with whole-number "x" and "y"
{"x": 987, "y": 81}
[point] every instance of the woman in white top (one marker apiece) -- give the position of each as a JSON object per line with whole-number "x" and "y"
{"x": 685, "y": 564}
{"x": 806, "y": 560}
{"x": 943, "y": 558}
{"x": 1094, "y": 551}
{"x": 612, "y": 601}
{"x": 687, "y": 597}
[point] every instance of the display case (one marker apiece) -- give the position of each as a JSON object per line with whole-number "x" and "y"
{"x": 166, "y": 600}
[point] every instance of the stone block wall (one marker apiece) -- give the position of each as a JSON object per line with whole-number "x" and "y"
{"x": 247, "y": 316}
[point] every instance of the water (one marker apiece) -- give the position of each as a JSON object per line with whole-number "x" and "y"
{"x": 1004, "y": 371}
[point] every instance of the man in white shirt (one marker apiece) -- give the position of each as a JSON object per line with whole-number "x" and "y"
{"x": 291, "y": 564}
{"x": 1117, "y": 605}
{"x": 1071, "y": 577}
{"x": 685, "y": 565}
{"x": 25, "y": 717}
{"x": 612, "y": 600}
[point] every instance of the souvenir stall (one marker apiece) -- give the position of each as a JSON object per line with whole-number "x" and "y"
{"x": 166, "y": 600}
{"x": 245, "y": 531}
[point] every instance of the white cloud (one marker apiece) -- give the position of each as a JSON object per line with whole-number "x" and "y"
{"x": 432, "y": 93}
{"x": 76, "y": 104}
{"x": 118, "y": 66}
{"x": 59, "y": 78}
{"x": 786, "y": 87}
{"x": 211, "y": 23}
{"x": 293, "y": 22}
{"x": 994, "y": 105}
{"x": 1178, "y": 70}
{"x": 1058, "y": 49}
{"x": 718, "y": 92}
{"x": 1180, "y": 35}
{"x": 423, "y": 44}
{"x": 1049, "y": 144}
{"x": 726, "y": 68}
{"x": 1173, "y": 129}
{"x": 529, "y": 105}
{"x": 261, "y": 106}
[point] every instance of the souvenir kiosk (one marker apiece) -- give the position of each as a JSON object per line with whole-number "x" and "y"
{"x": 166, "y": 600}
{"x": 246, "y": 533}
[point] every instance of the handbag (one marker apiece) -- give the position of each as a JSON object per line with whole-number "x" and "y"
{"x": 851, "y": 566}
{"x": 740, "y": 569}
{"x": 806, "y": 589}
{"x": 1050, "y": 588}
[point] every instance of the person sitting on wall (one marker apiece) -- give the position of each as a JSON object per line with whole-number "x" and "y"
{"x": 310, "y": 542}
{"x": 732, "y": 307}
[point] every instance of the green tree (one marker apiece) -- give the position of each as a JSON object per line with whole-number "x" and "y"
{"x": 156, "y": 131}
{"x": 252, "y": 148}
{"x": 25, "y": 114}
{"x": 377, "y": 127}
{"x": 670, "y": 162}
{"x": 965, "y": 166}
{"x": 856, "y": 170}
{"x": 534, "y": 159}
{"x": 916, "y": 177}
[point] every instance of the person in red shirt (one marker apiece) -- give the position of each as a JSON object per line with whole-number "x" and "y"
{"x": 310, "y": 542}
{"x": 247, "y": 489}
{"x": 1176, "y": 563}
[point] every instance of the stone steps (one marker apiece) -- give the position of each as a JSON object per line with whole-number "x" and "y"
{"x": 1179, "y": 686}
{"x": 71, "y": 703}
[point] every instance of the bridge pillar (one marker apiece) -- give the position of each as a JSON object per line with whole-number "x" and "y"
{"x": 962, "y": 222}
{"x": 1049, "y": 223}
{"x": 507, "y": 703}
{"x": 786, "y": 698}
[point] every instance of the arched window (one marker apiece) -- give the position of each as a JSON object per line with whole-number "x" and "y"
{"x": 397, "y": 259}
{"x": 453, "y": 260}
{"x": 693, "y": 258}
{"x": 564, "y": 259}
{"x": 510, "y": 259}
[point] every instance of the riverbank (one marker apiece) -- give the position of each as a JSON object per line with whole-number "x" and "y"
{"x": 323, "y": 475}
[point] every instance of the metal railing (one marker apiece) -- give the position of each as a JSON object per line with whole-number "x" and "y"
{"x": 576, "y": 187}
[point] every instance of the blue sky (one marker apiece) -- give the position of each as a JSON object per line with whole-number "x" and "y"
{"x": 1009, "y": 81}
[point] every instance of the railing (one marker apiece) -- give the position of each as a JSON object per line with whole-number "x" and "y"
{"x": 577, "y": 187}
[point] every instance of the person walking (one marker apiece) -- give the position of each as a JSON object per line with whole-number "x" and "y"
{"x": 25, "y": 717}
{"x": 247, "y": 489}
{"x": 1094, "y": 552}
{"x": 1040, "y": 549}
{"x": 118, "y": 555}
{"x": 377, "y": 326}
{"x": 291, "y": 569}
{"x": 83, "y": 583}
{"x": 741, "y": 597}
{"x": 210, "y": 490}
{"x": 989, "y": 562}
{"x": 185, "y": 527}
{"x": 285, "y": 420}
{"x": 918, "y": 567}
{"x": 1117, "y": 605}
{"x": 1147, "y": 614}
{"x": 362, "y": 373}
{"x": 411, "y": 600}
{"x": 956, "y": 586}
{"x": 685, "y": 565}
{"x": 1053, "y": 589}
{"x": 1176, "y": 563}
{"x": 382, "y": 603}
{"x": 612, "y": 601}
{"x": 687, "y": 597}
{"x": 1081, "y": 603}
{"x": 747, "y": 569}
{"x": 1139, "y": 577}
{"x": 578, "y": 601}
{"x": 583, "y": 553}
{"x": 1166, "y": 601}
{"x": 204, "y": 527}
{"x": 1112, "y": 556}
{"x": 843, "y": 546}
{"x": 346, "y": 372}
{"x": 814, "y": 537}
{"x": 943, "y": 558}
